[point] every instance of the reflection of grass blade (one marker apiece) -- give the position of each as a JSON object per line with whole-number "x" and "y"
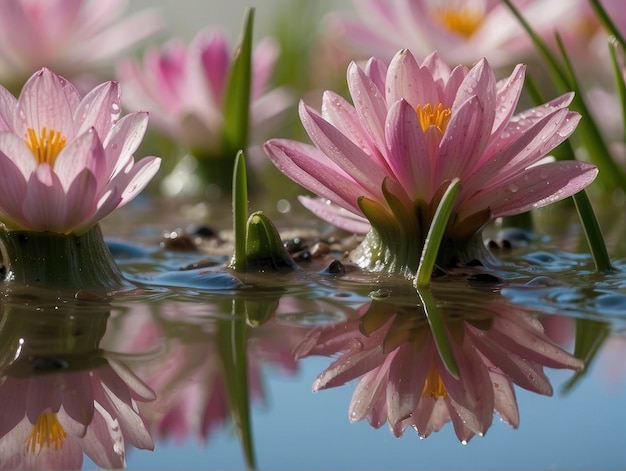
{"x": 237, "y": 96}
{"x": 232, "y": 341}
{"x": 435, "y": 234}
{"x": 240, "y": 213}
{"x": 590, "y": 335}
{"x": 438, "y": 329}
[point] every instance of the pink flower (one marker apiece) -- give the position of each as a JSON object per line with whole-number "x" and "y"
{"x": 190, "y": 377}
{"x": 70, "y": 36}
{"x": 50, "y": 420}
{"x": 65, "y": 160}
{"x": 185, "y": 86}
{"x": 463, "y": 31}
{"x": 382, "y": 164}
{"x": 404, "y": 382}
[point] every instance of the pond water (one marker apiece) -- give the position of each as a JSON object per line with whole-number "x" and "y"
{"x": 232, "y": 360}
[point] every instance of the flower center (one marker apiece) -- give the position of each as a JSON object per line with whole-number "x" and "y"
{"x": 46, "y": 146}
{"x": 461, "y": 19}
{"x": 437, "y": 116}
{"x": 433, "y": 387}
{"x": 47, "y": 431}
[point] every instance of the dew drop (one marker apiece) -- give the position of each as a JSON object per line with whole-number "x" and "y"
{"x": 513, "y": 188}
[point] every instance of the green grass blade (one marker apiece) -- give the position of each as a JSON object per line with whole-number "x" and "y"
{"x": 593, "y": 232}
{"x": 607, "y": 22}
{"x": 237, "y": 97}
{"x": 435, "y": 234}
{"x": 240, "y": 213}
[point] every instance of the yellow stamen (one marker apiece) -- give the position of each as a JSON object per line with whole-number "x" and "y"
{"x": 47, "y": 431}
{"x": 433, "y": 387}
{"x": 429, "y": 116}
{"x": 463, "y": 20}
{"x": 45, "y": 147}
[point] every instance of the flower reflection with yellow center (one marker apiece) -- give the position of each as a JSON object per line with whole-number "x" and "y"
{"x": 47, "y": 432}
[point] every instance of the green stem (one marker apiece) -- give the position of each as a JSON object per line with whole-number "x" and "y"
{"x": 52, "y": 260}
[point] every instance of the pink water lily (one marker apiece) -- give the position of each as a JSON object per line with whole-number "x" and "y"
{"x": 382, "y": 163}
{"x": 463, "y": 31}
{"x": 402, "y": 379}
{"x": 66, "y": 161}
{"x": 50, "y": 420}
{"x": 185, "y": 86}
{"x": 69, "y": 36}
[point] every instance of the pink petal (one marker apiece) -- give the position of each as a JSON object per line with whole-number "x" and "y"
{"x": 84, "y": 152}
{"x": 336, "y": 215}
{"x": 123, "y": 141}
{"x": 409, "y": 155}
{"x": 138, "y": 177}
{"x": 47, "y": 101}
{"x": 407, "y": 376}
{"x": 369, "y": 389}
{"x": 536, "y": 187}
{"x": 310, "y": 168}
{"x": 508, "y": 94}
{"x": 406, "y": 80}
{"x": 338, "y": 112}
{"x": 463, "y": 142}
{"x": 45, "y": 203}
{"x": 343, "y": 152}
{"x": 99, "y": 109}
{"x": 369, "y": 104}
{"x": 7, "y": 109}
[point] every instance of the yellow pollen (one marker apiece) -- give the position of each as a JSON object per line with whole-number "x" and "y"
{"x": 463, "y": 20}
{"x": 437, "y": 116}
{"x": 433, "y": 387}
{"x": 45, "y": 147}
{"x": 48, "y": 432}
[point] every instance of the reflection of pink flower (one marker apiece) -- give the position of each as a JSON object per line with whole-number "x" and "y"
{"x": 189, "y": 378}
{"x": 405, "y": 382}
{"x": 463, "y": 31}
{"x": 66, "y": 161}
{"x": 49, "y": 420}
{"x": 413, "y": 128}
{"x": 184, "y": 87}
{"x": 70, "y": 36}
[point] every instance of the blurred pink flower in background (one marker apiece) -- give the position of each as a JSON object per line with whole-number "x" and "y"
{"x": 462, "y": 31}
{"x": 412, "y": 128}
{"x": 66, "y": 161}
{"x": 184, "y": 87}
{"x": 49, "y": 420}
{"x": 72, "y": 37}
{"x": 404, "y": 382}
